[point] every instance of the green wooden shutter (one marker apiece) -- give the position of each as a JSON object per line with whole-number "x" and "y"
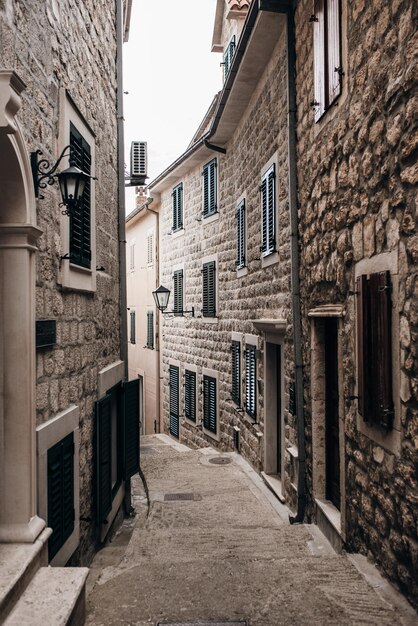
{"x": 60, "y": 463}
{"x": 236, "y": 372}
{"x": 228, "y": 56}
{"x": 209, "y": 188}
{"x": 250, "y": 381}
{"x": 268, "y": 212}
{"x": 209, "y": 404}
{"x": 80, "y": 218}
{"x": 363, "y": 358}
{"x": 150, "y": 330}
{"x": 209, "y": 289}
{"x": 190, "y": 395}
{"x": 103, "y": 458}
{"x": 264, "y": 218}
{"x": 178, "y": 292}
{"x": 174, "y": 384}
{"x": 130, "y": 428}
{"x": 240, "y": 218}
{"x": 133, "y": 323}
{"x": 177, "y": 200}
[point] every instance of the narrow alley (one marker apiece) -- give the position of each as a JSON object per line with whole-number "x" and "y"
{"x": 215, "y": 546}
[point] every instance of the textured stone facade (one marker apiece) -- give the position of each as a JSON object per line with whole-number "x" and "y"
{"x": 60, "y": 48}
{"x": 357, "y": 176}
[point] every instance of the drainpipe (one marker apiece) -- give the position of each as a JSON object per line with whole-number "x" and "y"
{"x": 121, "y": 191}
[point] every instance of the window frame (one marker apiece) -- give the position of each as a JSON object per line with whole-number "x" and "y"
{"x": 241, "y": 222}
{"x": 213, "y": 375}
{"x": 178, "y": 291}
{"x": 209, "y": 267}
{"x": 132, "y": 327}
{"x": 175, "y": 368}
{"x": 210, "y": 182}
{"x": 268, "y": 196}
{"x": 250, "y": 358}
{"x": 236, "y": 371}
{"x": 177, "y": 204}
{"x": 150, "y": 330}
{"x": 190, "y": 375}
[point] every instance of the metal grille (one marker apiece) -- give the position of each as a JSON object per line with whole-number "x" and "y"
{"x": 220, "y": 460}
{"x": 172, "y": 497}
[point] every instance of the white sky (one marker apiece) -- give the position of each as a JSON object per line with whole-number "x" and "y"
{"x": 171, "y": 76}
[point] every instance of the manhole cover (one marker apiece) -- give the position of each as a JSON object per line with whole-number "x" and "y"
{"x": 170, "y": 497}
{"x": 221, "y": 460}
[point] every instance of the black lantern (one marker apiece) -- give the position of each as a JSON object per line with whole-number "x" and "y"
{"x": 161, "y": 297}
{"x": 72, "y": 182}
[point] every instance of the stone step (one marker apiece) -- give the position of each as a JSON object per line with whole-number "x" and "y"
{"x": 18, "y": 564}
{"x": 55, "y": 597}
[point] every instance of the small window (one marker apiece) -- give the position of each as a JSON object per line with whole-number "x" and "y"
{"x": 174, "y": 400}
{"x": 150, "y": 248}
{"x": 150, "y": 330}
{"x": 250, "y": 381}
{"x": 178, "y": 292}
{"x": 132, "y": 256}
{"x": 177, "y": 202}
{"x": 241, "y": 235}
{"x": 190, "y": 395}
{"x": 209, "y": 189}
{"x": 80, "y": 216}
{"x": 228, "y": 56}
{"x": 374, "y": 349}
{"x": 60, "y": 493}
{"x": 132, "y": 319}
{"x": 268, "y": 209}
{"x": 327, "y": 54}
{"x": 236, "y": 372}
{"x": 209, "y": 404}
{"x": 209, "y": 289}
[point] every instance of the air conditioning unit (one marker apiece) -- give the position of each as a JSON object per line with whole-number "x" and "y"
{"x": 139, "y": 160}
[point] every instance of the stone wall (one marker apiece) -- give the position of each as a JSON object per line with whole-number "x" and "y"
{"x": 71, "y": 45}
{"x": 357, "y": 174}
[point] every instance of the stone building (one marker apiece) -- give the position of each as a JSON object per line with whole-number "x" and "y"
{"x": 63, "y": 462}
{"x": 357, "y": 173}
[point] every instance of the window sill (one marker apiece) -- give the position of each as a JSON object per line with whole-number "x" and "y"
{"x": 209, "y": 320}
{"x": 243, "y": 271}
{"x": 76, "y": 277}
{"x": 177, "y": 233}
{"x": 270, "y": 259}
{"x": 211, "y": 434}
{"x": 210, "y": 218}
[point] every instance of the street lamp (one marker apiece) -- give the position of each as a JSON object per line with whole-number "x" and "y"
{"x": 161, "y": 298}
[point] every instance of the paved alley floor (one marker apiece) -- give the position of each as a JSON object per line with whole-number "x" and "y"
{"x": 216, "y": 546}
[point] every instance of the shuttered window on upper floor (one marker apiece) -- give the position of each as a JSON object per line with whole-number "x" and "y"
{"x": 328, "y": 71}
{"x": 150, "y": 330}
{"x": 60, "y": 493}
{"x": 209, "y": 289}
{"x": 132, "y": 317}
{"x": 236, "y": 372}
{"x": 241, "y": 235}
{"x": 209, "y": 188}
{"x": 250, "y": 380}
{"x": 178, "y": 298}
{"x": 80, "y": 216}
{"x": 228, "y": 56}
{"x": 177, "y": 207}
{"x": 150, "y": 248}
{"x": 209, "y": 404}
{"x": 268, "y": 211}
{"x": 190, "y": 395}
{"x": 374, "y": 349}
{"x": 174, "y": 402}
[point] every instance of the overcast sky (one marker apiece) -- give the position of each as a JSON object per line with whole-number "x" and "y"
{"x": 171, "y": 76}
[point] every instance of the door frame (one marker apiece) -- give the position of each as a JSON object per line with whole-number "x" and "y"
{"x": 272, "y": 341}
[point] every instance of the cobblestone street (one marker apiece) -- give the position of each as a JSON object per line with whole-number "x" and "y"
{"x": 216, "y": 545}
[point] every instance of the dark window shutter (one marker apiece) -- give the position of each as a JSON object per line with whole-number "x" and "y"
{"x": 80, "y": 226}
{"x": 264, "y": 218}
{"x": 250, "y": 381}
{"x": 209, "y": 403}
{"x": 133, "y": 323}
{"x": 240, "y": 215}
{"x": 362, "y": 346}
{"x": 103, "y": 458}
{"x": 177, "y": 196}
{"x": 174, "y": 400}
{"x": 268, "y": 212}
{"x": 178, "y": 292}
{"x": 190, "y": 395}
{"x": 236, "y": 372}
{"x": 333, "y": 50}
{"x": 319, "y": 58}
{"x": 150, "y": 329}
{"x": 209, "y": 289}
{"x": 130, "y": 428}
{"x": 209, "y": 188}
{"x": 228, "y": 56}
{"x": 60, "y": 460}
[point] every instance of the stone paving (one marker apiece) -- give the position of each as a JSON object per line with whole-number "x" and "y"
{"x": 223, "y": 551}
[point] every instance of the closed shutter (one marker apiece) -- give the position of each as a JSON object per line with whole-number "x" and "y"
{"x": 268, "y": 212}
{"x": 209, "y": 403}
{"x": 130, "y": 428}
{"x": 60, "y": 460}
{"x": 250, "y": 381}
{"x": 236, "y": 372}
{"x": 363, "y": 358}
{"x": 103, "y": 458}
{"x": 174, "y": 400}
{"x": 333, "y": 50}
{"x": 190, "y": 395}
{"x": 80, "y": 227}
{"x": 150, "y": 248}
{"x": 240, "y": 216}
{"x": 178, "y": 292}
{"x": 133, "y": 324}
{"x": 209, "y": 188}
{"x": 319, "y": 58}
{"x": 150, "y": 330}
{"x": 228, "y": 56}
{"x": 177, "y": 196}
{"x": 209, "y": 289}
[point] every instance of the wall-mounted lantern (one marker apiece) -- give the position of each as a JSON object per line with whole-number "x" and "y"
{"x": 161, "y": 298}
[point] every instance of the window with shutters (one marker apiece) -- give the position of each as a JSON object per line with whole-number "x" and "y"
{"x": 209, "y": 189}
{"x": 174, "y": 402}
{"x": 150, "y": 330}
{"x": 241, "y": 235}
{"x": 228, "y": 56}
{"x": 80, "y": 216}
{"x": 60, "y": 474}
{"x": 374, "y": 348}
{"x": 103, "y": 461}
{"x": 268, "y": 211}
{"x": 210, "y": 404}
{"x": 178, "y": 292}
{"x": 236, "y": 372}
{"x": 209, "y": 289}
{"x": 177, "y": 207}
{"x": 250, "y": 380}
{"x": 190, "y": 395}
{"x": 132, "y": 256}
{"x": 132, "y": 316}
{"x": 150, "y": 248}
{"x": 328, "y": 71}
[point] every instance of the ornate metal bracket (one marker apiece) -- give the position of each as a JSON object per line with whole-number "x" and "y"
{"x": 42, "y": 172}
